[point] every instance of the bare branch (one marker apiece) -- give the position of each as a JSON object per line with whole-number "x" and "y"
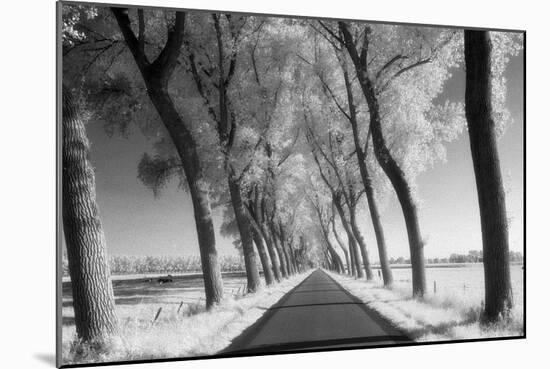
{"x": 141, "y": 37}
{"x": 404, "y": 70}
{"x": 389, "y": 64}
{"x": 166, "y": 61}
{"x": 331, "y": 32}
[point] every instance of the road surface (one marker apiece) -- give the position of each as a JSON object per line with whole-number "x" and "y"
{"x": 316, "y": 314}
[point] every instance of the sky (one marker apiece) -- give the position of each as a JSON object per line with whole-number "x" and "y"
{"x": 137, "y": 223}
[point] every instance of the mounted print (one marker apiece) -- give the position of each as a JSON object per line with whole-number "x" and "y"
{"x": 244, "y": 184}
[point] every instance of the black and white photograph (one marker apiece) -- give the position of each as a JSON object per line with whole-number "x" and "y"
{"x": 235, "y": 184}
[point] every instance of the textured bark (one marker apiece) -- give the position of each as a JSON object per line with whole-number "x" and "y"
{"x": 156, "y": 76}
{"x": 93, "y": 300}
{"x": 361, "y": 242}
{"x": 490, "y": 190}
{"x": 251, "y": 266}
{"x": 390, "y": 166}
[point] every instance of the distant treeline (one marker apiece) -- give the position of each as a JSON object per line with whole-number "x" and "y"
{"x": 473, "y": 256}
{"x": 127, "y": 264}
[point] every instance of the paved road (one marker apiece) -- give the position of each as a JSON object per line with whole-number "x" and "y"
{"x": 316, "y": 314}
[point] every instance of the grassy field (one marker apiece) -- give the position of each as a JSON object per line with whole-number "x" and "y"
{"x": 184, "y": 328}
{"x": 450, "y": 312}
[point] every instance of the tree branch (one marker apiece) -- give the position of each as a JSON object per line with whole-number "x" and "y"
{"x": 331, "y": 32}
{"x": 166, "y": 61}
{"x": 141, "y": 37}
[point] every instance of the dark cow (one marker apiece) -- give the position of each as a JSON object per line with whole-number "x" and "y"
{"x": 168, "y": 279}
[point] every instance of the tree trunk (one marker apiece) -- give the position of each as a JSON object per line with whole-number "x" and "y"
{"x": 272, "y": 252}
{"x": 354, "y": 270}
{"x": 280, "y": 254}
{"x": 288, "y": 249}
{"x": 351, "y": 241}
{"x": 337, "y": 259}
{"x": 361, "y": 242}
{"x": 329, "y": 261}
{"x": 367, "y": 182}
{"x": 341, "y": 244}
{"x": 490, "y": 190}
{"x": 380, "y": 238}
{"x": 408, "y": 206}
{"x": 252, "y": 273}
{"x": 156, "y": 76}
{"x": 258, "y": 210}
{"x": 390, "y": 167}
{"x": 198, "y": 189}
{"x": 285, "y": 255}
{"x": 331, "y": 249}
{"x": 290, "y": 259}
{"x": 93, "y": 300}
{"x": 264, "y": 258}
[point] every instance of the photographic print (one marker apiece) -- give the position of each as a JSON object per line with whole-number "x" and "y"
{"x": 238, "y": 184}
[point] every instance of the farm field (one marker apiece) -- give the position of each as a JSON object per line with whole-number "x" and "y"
{"x": 137, "y": 295}
{"x": 183, "y": 328}
{"x": 465, "y": 283}
{"x": 451, "y": 312}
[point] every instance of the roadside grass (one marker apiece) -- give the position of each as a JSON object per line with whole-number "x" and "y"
{"x": 447, "y": 315}
{"x": 193, "y": 331}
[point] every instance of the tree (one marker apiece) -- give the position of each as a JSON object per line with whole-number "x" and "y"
{"x": 345, "y": 193}
{"x": 352, "y": 241}
{"x": 376, "y": 79}
{"x": 322, "y": 213}
{"x": 259, "y": 215}
{"x": 156, "y": 76}
{"x": 339, "y": 240}
{"x": 336, "y": 195}
{"x": 361, "y": 151}
{"x": 93, "y": 300}
{"x": 269, "y": 273}
{"x": 490, "y": 190}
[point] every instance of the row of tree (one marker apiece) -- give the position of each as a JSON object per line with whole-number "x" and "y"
{"x": 284, "y": 124}
{"x": 485, "y": 117}
{"x": 133, "y": 264}
{"x": 473, "y": 256}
